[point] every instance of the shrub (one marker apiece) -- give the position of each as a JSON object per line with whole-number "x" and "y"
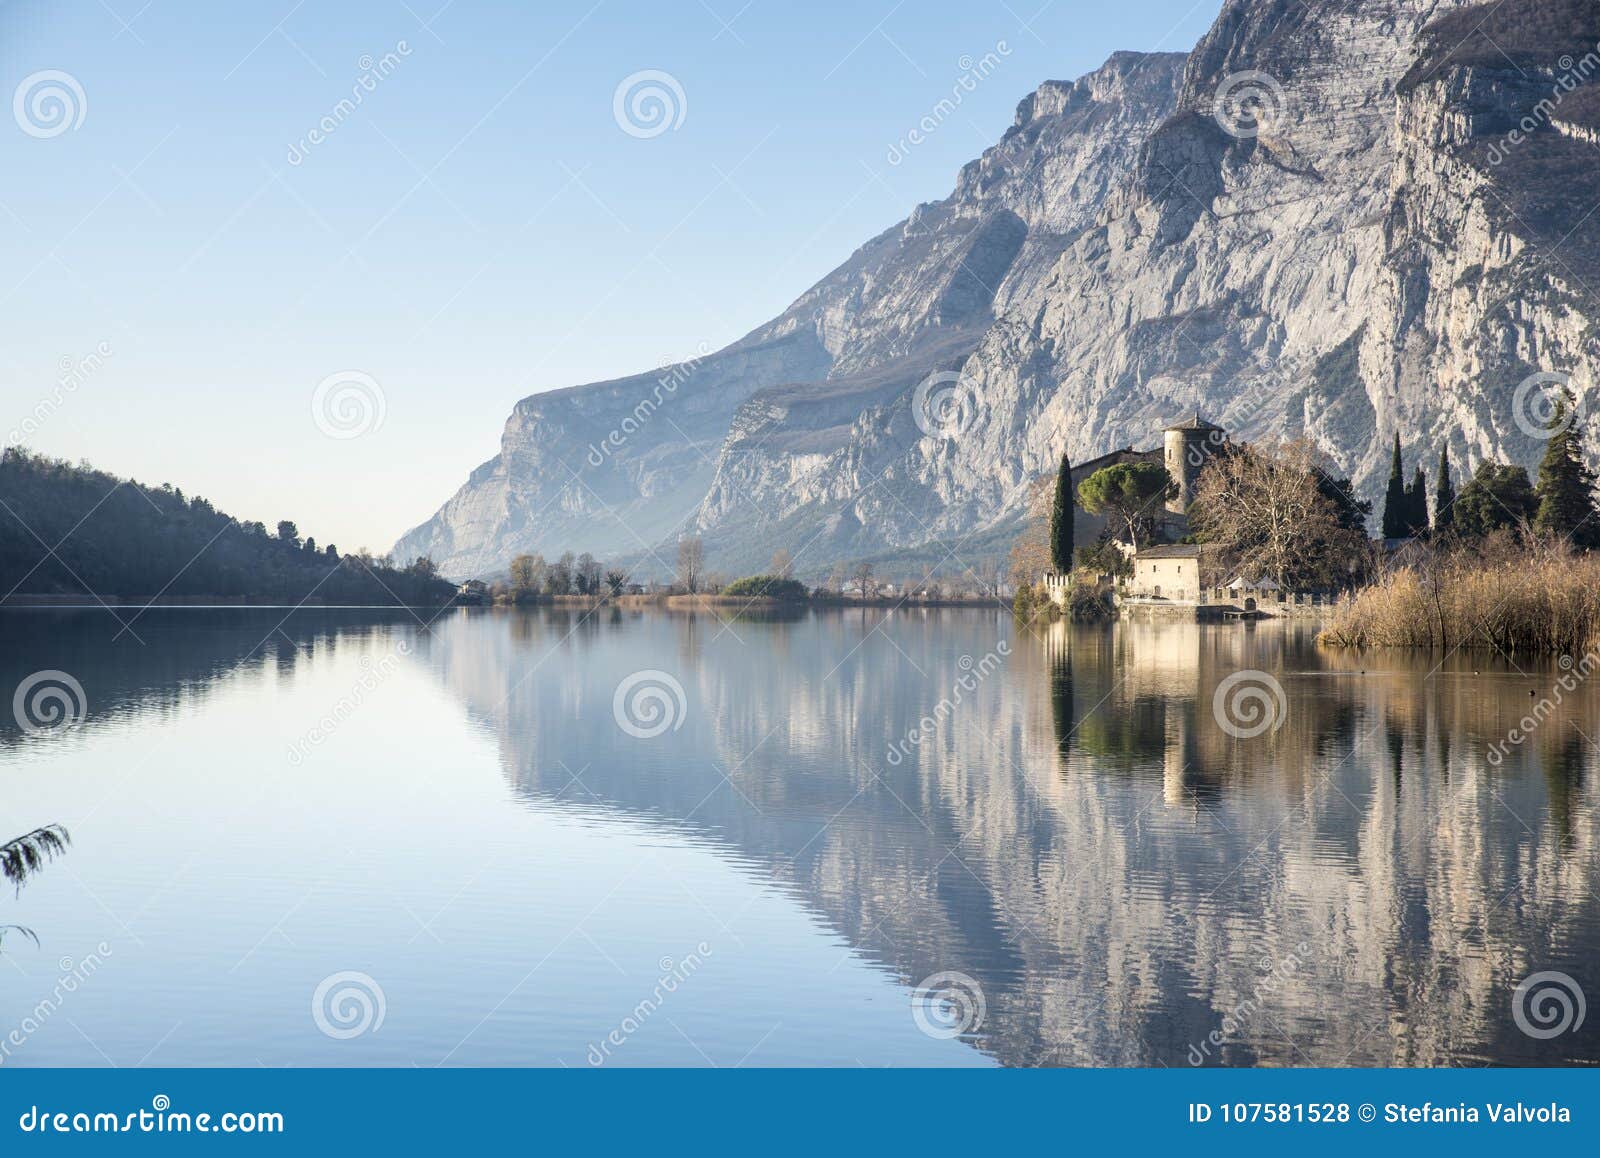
{"x": 766, "y": 587}
{"x": 1088, "y": 603}
{"x": 1103, "y": 558}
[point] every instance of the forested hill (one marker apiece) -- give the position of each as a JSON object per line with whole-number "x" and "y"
{"x": 74, "y": 530}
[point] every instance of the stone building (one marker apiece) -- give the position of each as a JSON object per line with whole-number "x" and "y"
{"x": 1187, "y": 447}
{"x": 1167, "y": 572}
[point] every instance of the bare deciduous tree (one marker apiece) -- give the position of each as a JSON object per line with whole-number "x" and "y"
{"x": 865, "y": 583}
{"x": 1262, "y": 508}
{"x": 691, "y": 563}
{"x": 587, "y": 575}
{"x": 527, "y": 572}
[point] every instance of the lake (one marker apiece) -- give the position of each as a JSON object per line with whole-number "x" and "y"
{"x": 854, "y": 837}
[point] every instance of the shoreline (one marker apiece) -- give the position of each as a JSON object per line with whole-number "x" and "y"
{"x": 196, "y": 601}
{"x": 763, "y": 602}
{"x": 582, "y": 602}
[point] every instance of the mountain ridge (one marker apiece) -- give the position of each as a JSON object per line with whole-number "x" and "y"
{"x": 1123, "y": 253}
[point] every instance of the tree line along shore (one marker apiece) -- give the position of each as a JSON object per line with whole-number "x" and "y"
{"x": 584, "y": 579}
{"x": 69, "y": 531}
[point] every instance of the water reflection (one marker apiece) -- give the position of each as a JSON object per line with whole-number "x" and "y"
{"x": 171, "y": 657}
{"x": 1130, "y": 882}
{"x": 1062, "y": 816}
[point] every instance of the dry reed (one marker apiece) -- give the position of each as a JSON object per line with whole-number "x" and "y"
{"x": 1544, "y": 601}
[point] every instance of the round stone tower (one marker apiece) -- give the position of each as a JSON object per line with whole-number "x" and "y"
{"x": 1188, "y": 445}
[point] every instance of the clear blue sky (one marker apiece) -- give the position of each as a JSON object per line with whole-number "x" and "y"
{"x": 480, "y": 228}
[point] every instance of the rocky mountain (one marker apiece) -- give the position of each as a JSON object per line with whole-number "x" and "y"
{"x": 1339, "y": 220}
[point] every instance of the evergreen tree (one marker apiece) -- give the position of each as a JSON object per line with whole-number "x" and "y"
{"x": 1496, "y": 497}
{"x": 1395, "y": 522}
{"x": 1061, "y": 520}
{"x": 1341, "y": 492}
{"x": 1444, "y": 495}
{"x": 1417, "y": 502}
{"x": 1130, "y": 496}
{"x": 1566, "y": 484}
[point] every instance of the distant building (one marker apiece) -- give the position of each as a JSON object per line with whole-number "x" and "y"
{"x": 1167, "y": 572}
{"x": 1185, "y": 449}
{"x": 473, "y": 591}
{"x": 1188, "y": 445}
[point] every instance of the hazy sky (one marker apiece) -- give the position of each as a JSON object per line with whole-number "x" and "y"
{"x": 478, "y": 227}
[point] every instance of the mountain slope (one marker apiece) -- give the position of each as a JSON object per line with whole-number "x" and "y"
{"x": 75, "y": 533}
{"x": 918, "y": 296}
{"x": 1361, "y": 250}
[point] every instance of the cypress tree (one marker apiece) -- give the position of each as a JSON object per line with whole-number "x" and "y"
{"x": 1566, "y": 484}
{"x": 1395, "y": 521}
{"x": 1417, "y": 502}
{"x": 1061, "y": 521}
{"x": 1444, "y": 495}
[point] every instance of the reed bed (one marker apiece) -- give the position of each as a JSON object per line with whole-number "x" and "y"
{"x": 1542, "y": 602}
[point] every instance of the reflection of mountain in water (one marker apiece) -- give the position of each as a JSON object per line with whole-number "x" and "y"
{"x": 1122, "y": 876}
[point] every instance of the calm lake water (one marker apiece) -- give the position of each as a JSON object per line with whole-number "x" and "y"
{"x": 849, "y": 838}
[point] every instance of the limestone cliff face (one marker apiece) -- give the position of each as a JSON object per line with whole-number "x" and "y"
{"x": 1361, "y": 248}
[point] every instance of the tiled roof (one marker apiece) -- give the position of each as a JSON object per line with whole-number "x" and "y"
{"x": 1174, "y": 551}
{"x": 1195, "y": 423}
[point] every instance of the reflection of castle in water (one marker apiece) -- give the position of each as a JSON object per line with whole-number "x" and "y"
{"x": 1123, "y": 876}
{"x": 1121, "y": 873}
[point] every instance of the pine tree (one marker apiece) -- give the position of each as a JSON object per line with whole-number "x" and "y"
{"x": 1444, "y": 496}
{"x": 1395, "y": 521}
{"x": 1566, "y": 484}
{"x": 1417, "y": 502}
{"x": 1061, "y": 521}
